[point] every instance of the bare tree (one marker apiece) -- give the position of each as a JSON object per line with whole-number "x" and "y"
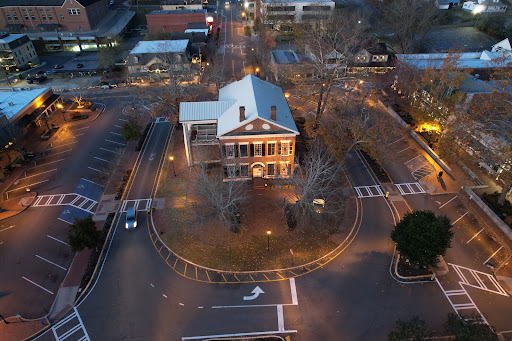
{"x": 328, "y": 44}
{"x": 215, "y": 193}
{"x": 316, "y": 184}
{"x": 79, "y": 100}
{"x": 410, "y": 21}
{"x": 12, "y": 134}
{"x": 352, "y": 125}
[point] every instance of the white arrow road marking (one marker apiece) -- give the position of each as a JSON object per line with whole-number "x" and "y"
{"x": 255, "y": 293}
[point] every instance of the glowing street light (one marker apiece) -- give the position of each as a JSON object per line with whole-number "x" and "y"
{"x": 172, "y": 161}
{"x": 287, "y": 95}
{"x": 268, "y": 240}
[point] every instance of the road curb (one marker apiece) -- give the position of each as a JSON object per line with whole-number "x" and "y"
{"x": 24, "y": 208}
{"x": 315, "y": 264}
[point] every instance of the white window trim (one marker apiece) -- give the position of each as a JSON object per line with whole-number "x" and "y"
{"x": 275, "y": 148}
{"x": 260, "y": 143}
{"x": 248, "y": 170}
{"x": 227, "y": 154}
{"x": 289, "y": 146}
{"x": 240, "y": 153}
{"x": 272, "y": 163}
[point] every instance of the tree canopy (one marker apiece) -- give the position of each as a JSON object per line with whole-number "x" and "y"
{"x": 131, "y": 131}
{"x": 414, "y": 329}
{"x": 421, "y": 237}
{"x": 469, "y": 329}
{"x": 83, "y": 234}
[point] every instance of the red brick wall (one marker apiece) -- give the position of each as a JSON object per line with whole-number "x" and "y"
{"x": 173, "y": 22}
{"x": 87, "y": 19}
{"x": 263, "y": 159}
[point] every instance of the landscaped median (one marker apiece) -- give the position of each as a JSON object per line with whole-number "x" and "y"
{"x": 264, "y": 240}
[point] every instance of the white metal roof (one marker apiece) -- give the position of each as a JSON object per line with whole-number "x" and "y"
{"x": 13, "y": 100}
{"x": 203, "y": 111}
{"x": 466, "y": 60}
{"x": 257, "y": 96}
{"x": 160, "y": 46}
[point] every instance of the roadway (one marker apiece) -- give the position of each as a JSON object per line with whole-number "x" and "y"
{"x": 34, "y": 255}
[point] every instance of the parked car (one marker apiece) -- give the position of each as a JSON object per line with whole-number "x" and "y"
{"x": 58, "y": 66}
{"x": 79, "y": 65}
{"x": 105, "y": 86}
{"x": 112, "y": 2}
{"x": 131, "y": 218}
{"x": 30, "y": 79}
{"x": 113, "y": 84}
{"x": 40, "y": 72}
{"x": 40, "y": 79}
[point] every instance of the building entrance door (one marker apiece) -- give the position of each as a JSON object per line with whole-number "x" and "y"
{"x": 257, "y": 172}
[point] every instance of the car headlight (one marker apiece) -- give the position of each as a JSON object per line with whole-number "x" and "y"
{"x": 126, "y": 225}
{"x": 135, "y": 224}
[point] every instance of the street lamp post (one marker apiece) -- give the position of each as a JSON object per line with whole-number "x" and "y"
{"x": 268, "y": 240}
{"x": 172, "y": 161}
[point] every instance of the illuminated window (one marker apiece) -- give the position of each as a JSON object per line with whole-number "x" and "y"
{"x": 258, "y": 149}
{"x": 74, "y": 11}
{"x": 286, "y": 148}
{"x": 271, "y": 148}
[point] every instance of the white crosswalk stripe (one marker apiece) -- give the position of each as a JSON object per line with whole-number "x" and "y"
{"x": 71, "y": 199}
{"x": 461, "y": 306}
{"x": 138, "y": 204}
{"x": 71, "y": 326}
{"x": 369, "y": 191}
{"x": 410, "y": 188}
{"x": 423, "y": 171}
{"x": 479, "y": 280}
{"x": 378, "y": 191}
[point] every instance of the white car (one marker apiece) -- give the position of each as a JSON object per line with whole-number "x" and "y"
{"x": 106, "y": 86}
{"x": 112, "y": 2}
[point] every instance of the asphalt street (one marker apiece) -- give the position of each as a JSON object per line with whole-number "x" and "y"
{"x": 34, "y": 255}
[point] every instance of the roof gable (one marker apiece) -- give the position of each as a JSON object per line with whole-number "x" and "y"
{"x": 257, "y": 96}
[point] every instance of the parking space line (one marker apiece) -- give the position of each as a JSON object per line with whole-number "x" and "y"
{"x": 280, "y": 318}
{"x": 115, "y": 125}
{"x": 122, "y": 119}
{"x": 51, "y": 170}
{"x": 412, "y": 159}
{"x": 476, "y": 234}
{"x": 47, "y": 163}
{"x": 204, "y": 337}
{"x": 66, "y": 144}
{"x": 7, "y": 228}
{"x": 58, "y": 240}
{"x": 27, "y": 186}
{"x": 98, "y": 158}
{"x": 455, "y": 222}
{"x": 37, "y": 285}
{"x": 446, "y": 203}
{"x": 71, "y": 137}
{"x": 116, "y": 133}
{"x": 57, "y": 153}
{"x": 400, "y": 139}
{"x": 293, "y": 290}
{"x": 97, "y": 170}
{"x": 121, "y": 144}
{"x": 108, "y": 150}
{"x": 403, "y": 150}
{"x": 46, "y": 260}
{"x": 79, "y": 128}
{"x": 494, "y": 254}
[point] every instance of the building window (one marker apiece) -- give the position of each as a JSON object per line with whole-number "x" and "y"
{"x": 244, "y": 170}
{"x": 33, "y": 17}
{"x": 258, "y": 149}
{"x": 61, "y": 16}
{"x": 271, "y": 169}
{"x": 286, "y": 148}
{"x": 15, "y": 17}
{"x": 43, "y": 17}
{"x": 74, "y": 11}
{"x": 283, "y": 168}
{"x": 50, "y": 16}
{"x": 25, "y": 16}
{"x": 244, "y": 150}
{"x": 8, "y": 17}
{"x": 232, "y": 171}
{"x": 230, "y": 151}
{"x": 271, "y": 146}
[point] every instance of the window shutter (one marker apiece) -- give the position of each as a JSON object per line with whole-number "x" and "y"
{"x": 224, "y": 151}
{"x": 236, "y": 150}
{"x": 263, "y": 149}
{"x": 277, "y": 168}
{"x": 252, "y": 149}
{"x": 278, "y": 148}
{"x": 291, "y": 148}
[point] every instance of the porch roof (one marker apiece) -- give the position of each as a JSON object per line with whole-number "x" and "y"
{"x": 203, "y": 111}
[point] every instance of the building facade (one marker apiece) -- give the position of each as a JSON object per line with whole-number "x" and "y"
{"x": 484, "y": 6}
{"x": 16, "y": 52}
{"x": 51, "y": 15}
{"x": 251, "y": 125}
{"x": 159, "y": 56}
{"x": 174, "y": 21}
{"x": 280, "y": 14}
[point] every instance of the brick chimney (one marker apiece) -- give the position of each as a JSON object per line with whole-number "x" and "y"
{"x": 273, "y": 114}
{"x": 242, "y": 114}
